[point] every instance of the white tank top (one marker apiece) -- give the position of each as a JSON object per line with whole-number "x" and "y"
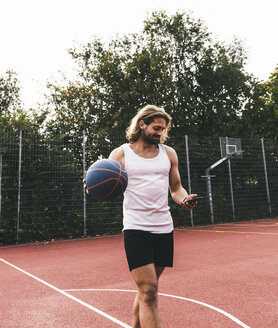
{"x": 145, "y": 204}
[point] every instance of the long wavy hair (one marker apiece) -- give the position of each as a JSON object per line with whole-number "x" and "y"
{"x": 147, "y": 114}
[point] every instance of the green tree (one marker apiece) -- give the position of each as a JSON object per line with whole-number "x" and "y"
{"x": 10, "y": 101}
{"x": 260, "y": 117}
{"x": 173, "y": 63}
{"x": 209, "y": 84}
{"x": 12, "y": 114}
{"x": 9, "y": 92}
{"x": 13, "y": 118}
{"x": 271, "y": 101}
{"x": 272, "y": 89}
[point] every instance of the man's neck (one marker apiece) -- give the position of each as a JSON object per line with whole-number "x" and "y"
{"x": 145, "y": 149}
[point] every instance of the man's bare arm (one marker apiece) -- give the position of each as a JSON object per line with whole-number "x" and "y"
{"x": 178, "y": 193}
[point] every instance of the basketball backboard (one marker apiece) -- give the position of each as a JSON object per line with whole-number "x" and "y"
{"x": 230, "y": 146}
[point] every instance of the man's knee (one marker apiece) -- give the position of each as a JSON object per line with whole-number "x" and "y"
{"x": 148, "y": 294}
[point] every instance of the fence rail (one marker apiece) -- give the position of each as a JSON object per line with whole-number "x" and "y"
{"x": 42, "y": 197}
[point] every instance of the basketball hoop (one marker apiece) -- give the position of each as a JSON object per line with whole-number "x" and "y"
{"x": 230, "y": 149}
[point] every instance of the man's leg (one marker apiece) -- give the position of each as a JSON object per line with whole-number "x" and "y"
{"x": 136, "y": 321}
{"x": 145, "y": 312}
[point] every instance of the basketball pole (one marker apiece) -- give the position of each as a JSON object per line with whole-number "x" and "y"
{"x": 208, "y": 176}
{"x": 266, "y": 177}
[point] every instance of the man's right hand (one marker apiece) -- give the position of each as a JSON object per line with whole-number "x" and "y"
{"x": 84, "y": 184}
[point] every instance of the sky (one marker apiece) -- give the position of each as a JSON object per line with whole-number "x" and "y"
{"x": 35, "y": 35}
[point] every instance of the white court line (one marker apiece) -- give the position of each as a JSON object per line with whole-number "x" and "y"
{"x": 120, "y": 323}
{"x": 236, "y": 232}
{"x": 240, "y": 323}
{"x": 241, "y": 225}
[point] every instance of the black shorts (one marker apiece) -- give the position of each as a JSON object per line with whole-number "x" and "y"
{"x": 143, "y": 247}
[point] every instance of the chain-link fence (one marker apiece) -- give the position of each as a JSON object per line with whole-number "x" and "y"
{"x": 42, "y": 196}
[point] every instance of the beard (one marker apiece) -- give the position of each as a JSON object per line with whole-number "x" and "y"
{"x": 151, "y": 139}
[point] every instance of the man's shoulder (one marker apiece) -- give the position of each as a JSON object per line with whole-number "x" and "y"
{"x": 172, "y": 155}
{"x": 118, "y": 154}
{"x": 169, "y": 150}
{"x": 118, "y": 150}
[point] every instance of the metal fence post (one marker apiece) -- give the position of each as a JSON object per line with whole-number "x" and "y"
{"x": 84, "y": 192}
{"x": 266, "y": 177}
{"x": 19, "y": 184}
{"x": 188, "y": 175}
{"x": 0, "y": 187}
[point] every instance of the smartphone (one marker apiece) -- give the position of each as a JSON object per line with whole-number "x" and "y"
{"x": 194, "y": 199}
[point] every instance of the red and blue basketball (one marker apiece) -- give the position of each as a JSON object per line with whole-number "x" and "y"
{"x": 106, "y": 180}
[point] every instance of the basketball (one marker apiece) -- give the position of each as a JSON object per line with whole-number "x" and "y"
{"x": 106, "y": 180}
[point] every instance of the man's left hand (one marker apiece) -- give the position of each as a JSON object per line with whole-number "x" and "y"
{"x": 186, "y": 205}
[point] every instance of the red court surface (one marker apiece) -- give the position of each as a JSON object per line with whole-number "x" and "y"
{"x": 223, "y": 276}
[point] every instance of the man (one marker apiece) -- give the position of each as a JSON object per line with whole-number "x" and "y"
{"x": 152, "y": 170}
